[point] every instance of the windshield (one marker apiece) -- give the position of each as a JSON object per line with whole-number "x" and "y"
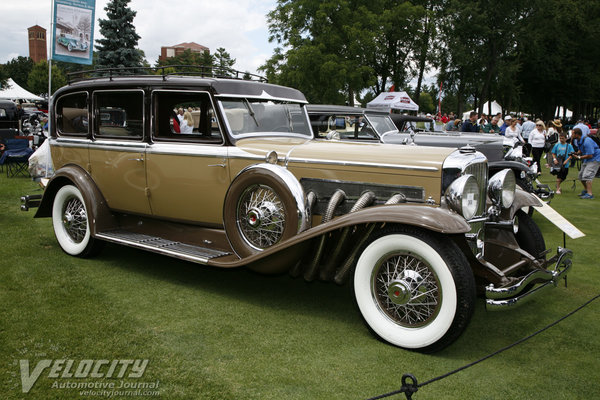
{"x": 343, "y": 125}
{"x": 249, "y": 116}
{"x": 382, "y": 123}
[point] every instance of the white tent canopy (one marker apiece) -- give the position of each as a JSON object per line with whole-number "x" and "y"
{"x": 559, "y": 113}
{"x": 393, "y": 101}
{"x": 16, "y": 92}
{"x": 496, "y": 108}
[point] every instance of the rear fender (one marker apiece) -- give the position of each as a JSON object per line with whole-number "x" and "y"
{"x": 101, "y": 218}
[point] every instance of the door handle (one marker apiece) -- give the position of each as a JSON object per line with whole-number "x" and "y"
{"x": 223, "y": 164}
{"x": 141, "y": 159}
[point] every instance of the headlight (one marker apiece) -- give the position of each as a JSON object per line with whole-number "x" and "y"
{"x": 501, "y": 188}
{"x": 463, "y": 196}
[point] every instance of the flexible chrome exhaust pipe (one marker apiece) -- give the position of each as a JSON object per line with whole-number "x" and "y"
{"x": 311, "y": 200}
{"x": 396, "y": 199}
{"x": 329, "y": 270}
{"x": 342, "y": 273}
{"x": 338, "y": 197}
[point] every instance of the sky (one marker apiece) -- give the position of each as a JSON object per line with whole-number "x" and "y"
{"x": 240, "y": 26}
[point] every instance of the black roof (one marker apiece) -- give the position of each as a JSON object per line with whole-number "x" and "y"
{"x": 401, "y": 118}
{"x": 219, "y": 86}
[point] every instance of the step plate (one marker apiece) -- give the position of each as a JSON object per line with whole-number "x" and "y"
{"x": 163, "y": 246}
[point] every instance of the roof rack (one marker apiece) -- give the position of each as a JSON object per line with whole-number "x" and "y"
{"x": 205, "y": 71}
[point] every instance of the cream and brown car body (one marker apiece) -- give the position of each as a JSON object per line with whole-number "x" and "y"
{"x": 252, "y": 187}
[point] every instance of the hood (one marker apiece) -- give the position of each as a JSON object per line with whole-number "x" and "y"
{"x": 489, "y": 144}
{"x": 349, "y": 155}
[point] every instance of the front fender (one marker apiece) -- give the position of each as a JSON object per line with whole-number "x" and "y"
{"x": 496, "y": 166}
{"x": 435, "y": 219}
{"x": 522, "y": 199}
{"x": 100, "y": 219}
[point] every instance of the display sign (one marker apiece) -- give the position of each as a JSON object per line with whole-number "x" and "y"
{"x": 73, "y": 31}
{"x": 561, "y": 222}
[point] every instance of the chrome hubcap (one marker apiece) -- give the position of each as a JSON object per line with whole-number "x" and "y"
{"x": 260, "y": 216}
{"x": 406, "y": 290}
{"x": 75, "y": 219}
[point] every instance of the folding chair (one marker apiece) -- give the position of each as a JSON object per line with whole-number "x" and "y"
{"x": 15, "y": 157}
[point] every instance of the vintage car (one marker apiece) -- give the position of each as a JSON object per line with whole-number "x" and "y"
{"x": 379, "y": 125}
{"x": 8, "y": 115}
{"x": 414, "y": 229}
{"x": 72, "y": 43}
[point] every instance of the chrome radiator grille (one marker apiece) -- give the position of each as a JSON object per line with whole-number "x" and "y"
{"x": 480, "y": 171}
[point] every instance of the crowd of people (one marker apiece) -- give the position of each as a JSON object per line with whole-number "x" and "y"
{"x": 544, "y": 141}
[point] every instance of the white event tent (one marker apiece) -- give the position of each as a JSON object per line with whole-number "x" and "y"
{"x": 393, "y": 101}
{"x": 15, "y": 92}
{"x": 496, "y": 108}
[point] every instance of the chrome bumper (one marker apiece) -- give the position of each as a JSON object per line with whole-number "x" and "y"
{"x": 503, "y": 298}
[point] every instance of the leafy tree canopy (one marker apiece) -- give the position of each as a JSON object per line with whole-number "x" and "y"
{"x": 37, "y": 82}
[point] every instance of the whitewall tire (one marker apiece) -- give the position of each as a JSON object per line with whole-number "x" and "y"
{"x": 70, "y": 219}
{"x": 413, "y": 289}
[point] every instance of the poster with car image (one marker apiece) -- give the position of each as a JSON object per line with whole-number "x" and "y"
{"x": 73, "y": 33}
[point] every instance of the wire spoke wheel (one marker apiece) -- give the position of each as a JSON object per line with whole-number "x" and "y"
{"x": 71, "y": 221}
{"x": 260, "y": 216}
{"x": 75, "y": 219}
{"x": 414, "y": 289}
{"x": 407, "y": 289}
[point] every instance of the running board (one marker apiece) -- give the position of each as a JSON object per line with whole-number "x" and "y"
{"x": 184, "y": 251}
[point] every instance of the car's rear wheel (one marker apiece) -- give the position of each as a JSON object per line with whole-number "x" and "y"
{"x": 414, "y": 289}
{"x": 70, "y": 219}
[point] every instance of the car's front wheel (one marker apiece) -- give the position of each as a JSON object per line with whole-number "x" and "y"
{"x": 70, "y": 221}
{"x": 414, "y": 289}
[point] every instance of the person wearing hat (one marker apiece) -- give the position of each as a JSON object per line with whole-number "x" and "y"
{"x": 505, "y": 125}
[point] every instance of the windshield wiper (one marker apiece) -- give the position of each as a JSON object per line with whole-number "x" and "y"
{"x": 251, "y": 111}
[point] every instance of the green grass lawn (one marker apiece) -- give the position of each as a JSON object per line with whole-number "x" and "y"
{"x": 233, "y": 334}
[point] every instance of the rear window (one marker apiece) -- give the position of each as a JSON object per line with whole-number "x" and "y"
{"x": 72, "y": 114}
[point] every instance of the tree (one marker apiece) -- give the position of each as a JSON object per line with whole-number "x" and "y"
{"x": 37, "y": 82}
{"x": 3, "y": 76}
{"x": 118, "y": 48}
{"x": 326, "y": 46}
{"x": 18, "y": 69}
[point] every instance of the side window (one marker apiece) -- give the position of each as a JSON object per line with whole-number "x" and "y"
{"x": 185, "y": 116}
{"x": 119, "y": 114}
{"x": 72, "y": 114}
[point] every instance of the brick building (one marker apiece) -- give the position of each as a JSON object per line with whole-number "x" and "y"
{"x": 37, "y": 43}
{"x": 172, "y": 51}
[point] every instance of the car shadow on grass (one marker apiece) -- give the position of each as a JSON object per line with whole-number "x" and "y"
{"x": 327, "y": 300}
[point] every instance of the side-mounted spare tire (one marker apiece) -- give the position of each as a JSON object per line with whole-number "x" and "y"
{"x": 265, "y": 205}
